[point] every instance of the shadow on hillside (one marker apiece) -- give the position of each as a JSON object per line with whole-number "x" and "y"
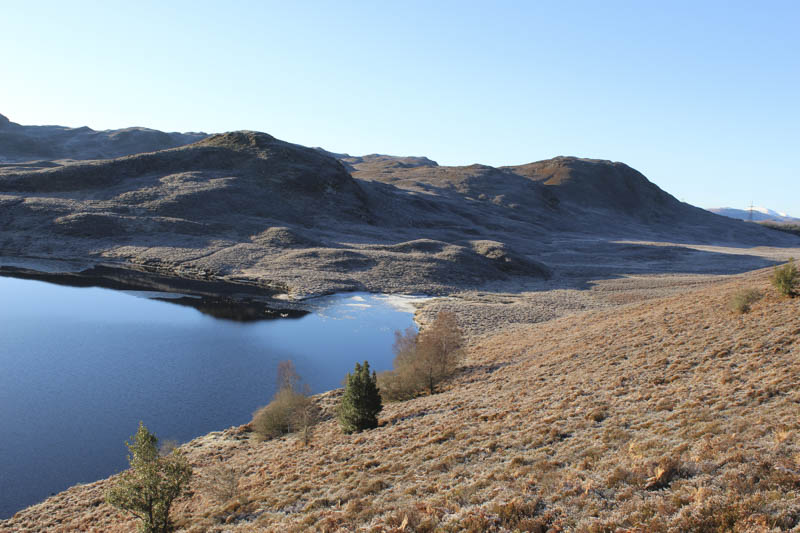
{"x": 581, "y": 264}
{"x": 780, "y": 240}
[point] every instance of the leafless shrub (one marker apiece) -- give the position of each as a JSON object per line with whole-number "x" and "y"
{"x": 786, "y": 278}
{"x": 290, "y": 409}
{"x": 404, "y": 381}
{"x": 305, "y": 416}
{"x": 423, "y": 360}
{"x": 744, "y": 299}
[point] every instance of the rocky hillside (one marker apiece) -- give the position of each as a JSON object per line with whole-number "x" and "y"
{"x": 664, "y": 414}
{"x": 243, "y": 205}
{"x": 556, "y": 190}
{"x": 250, "y": 208}
{"x": 31, "y": 143}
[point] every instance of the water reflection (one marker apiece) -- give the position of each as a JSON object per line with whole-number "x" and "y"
{"x": 239, "y": 302}
{"x": 81, "y": 366}
{"x": 237, "y": 310}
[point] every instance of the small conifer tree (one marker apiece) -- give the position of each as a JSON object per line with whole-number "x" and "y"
{"x": 152, "y": 483}
{"x": 361, "y": 402}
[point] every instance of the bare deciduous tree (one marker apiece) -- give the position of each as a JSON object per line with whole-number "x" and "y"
{"x": 423, "y": 360}
{"x": 440, "y": 347}
{"x": 291, "y": 410}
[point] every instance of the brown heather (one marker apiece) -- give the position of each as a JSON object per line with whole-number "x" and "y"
{"x": 670, "y": 414}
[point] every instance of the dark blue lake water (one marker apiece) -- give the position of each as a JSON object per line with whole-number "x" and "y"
{"x": 79, "y": 367}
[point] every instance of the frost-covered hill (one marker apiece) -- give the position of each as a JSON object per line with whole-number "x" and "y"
{"x": 20, "y": 143}
{"x": 759, "y": 214}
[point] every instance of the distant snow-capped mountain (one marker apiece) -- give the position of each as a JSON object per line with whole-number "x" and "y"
{"x": 759, "y": 214}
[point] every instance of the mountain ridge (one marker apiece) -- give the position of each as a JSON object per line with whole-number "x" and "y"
{"x": 757, "y": 214}
{"x": 20, "y": 143}
{"x": 248, "y": 206}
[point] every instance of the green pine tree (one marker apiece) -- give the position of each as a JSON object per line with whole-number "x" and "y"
{"x": 152, "y": 483}
{"x": 361, "y": 401}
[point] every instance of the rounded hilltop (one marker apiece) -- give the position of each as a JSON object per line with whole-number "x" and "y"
{"x": 599, "y": 183}
{"x": 239, "y": 140}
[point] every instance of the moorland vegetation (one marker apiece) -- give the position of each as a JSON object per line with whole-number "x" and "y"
{"x": 786, "y": 278}
{"x": 662, "y": 414}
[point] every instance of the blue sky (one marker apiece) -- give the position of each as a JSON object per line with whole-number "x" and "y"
{"x": 702, "y": 97}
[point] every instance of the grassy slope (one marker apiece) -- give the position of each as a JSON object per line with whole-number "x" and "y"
{"x": 669, "y": 414}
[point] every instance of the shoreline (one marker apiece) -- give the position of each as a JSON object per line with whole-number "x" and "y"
{"x": 470, "y": 406}
{"x": 627, "y": 290}
{"x": 39, "y": 296}
{"x": 219, "y": 298}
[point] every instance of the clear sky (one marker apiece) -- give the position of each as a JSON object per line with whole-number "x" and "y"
{"x": 700, "y": 96}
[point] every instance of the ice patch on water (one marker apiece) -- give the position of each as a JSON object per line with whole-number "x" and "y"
{"x": 349, "y": 306}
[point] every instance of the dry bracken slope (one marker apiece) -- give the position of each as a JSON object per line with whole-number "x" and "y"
{"x": 672, "y": 414}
